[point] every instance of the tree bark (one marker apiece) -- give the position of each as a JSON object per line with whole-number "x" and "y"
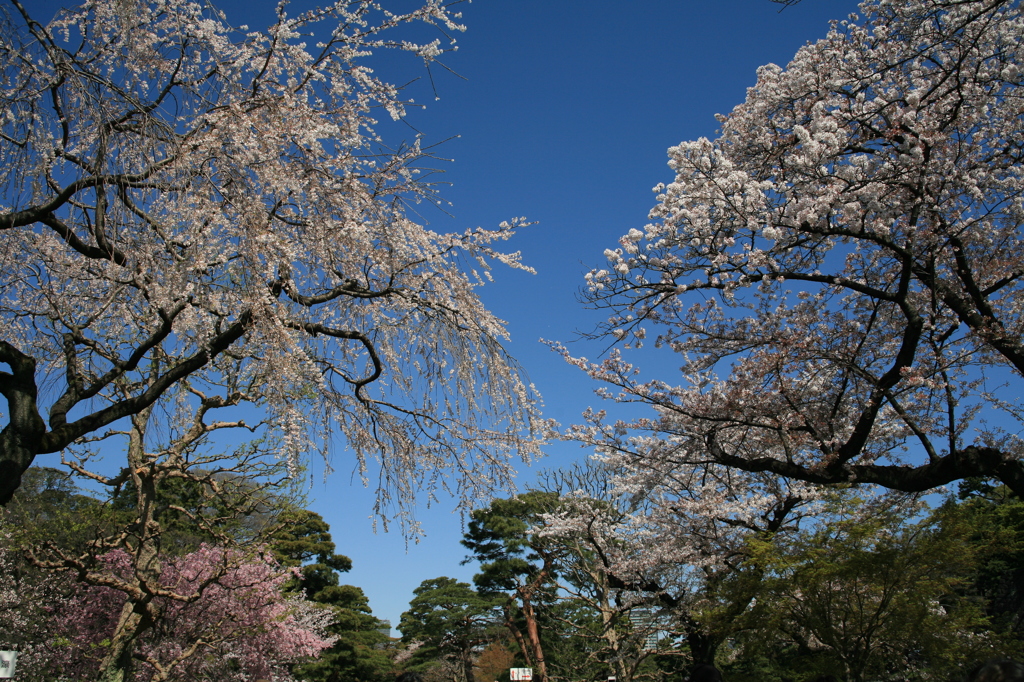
{"x": 20, "y": 439}
{"x": 137, "y": 615}
{"x": 533, "y": 634}
{"x": 967, "y": 462}
{"x": 467, "y": 665}
{"x": 516, "y": 634}
{"x": 703, "y": 646}
{"x": 116, "y": 666}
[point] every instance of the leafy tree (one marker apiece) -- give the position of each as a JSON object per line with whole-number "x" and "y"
{"x": 516, "y": 562}
{"x": 221, "y": 500}
{"x": 995, "y": 519}
{"x": 493, "y": 663}
{"x": 51, "y": 507}
{"x": 452, "y": 620}
{"x": 840, "y": 271}
{"x": 341, "y": 613}
{"x": 872, "y": 590}
{"x": 185, "y": 202}
{"x": 303, "y": 539}
{"x": 359, "y": 652}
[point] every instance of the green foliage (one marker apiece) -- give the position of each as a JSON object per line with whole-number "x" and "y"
{"x": 49, "y": 507}
{"x": 995, "y": 519}
{"x": 571, "y": 637}
{"x": 518, "y": 563}
{"x": 361, "y": 653}
{"x": 211, "y": 506}
{"x": 873, "y": 590}
{"x": 303, "y": 539}
{"x": 179, "y": 534}
{"x": 451, "y": 620}
{"x": 498, "y": 537}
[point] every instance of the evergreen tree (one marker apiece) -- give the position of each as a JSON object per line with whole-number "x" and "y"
{"x": 517, "y": 563}
{"x": 452, "y": 620}
{"x": 303, "y": 539}
{"x": 360, "y": 654}
{"x": 995, "y": 516}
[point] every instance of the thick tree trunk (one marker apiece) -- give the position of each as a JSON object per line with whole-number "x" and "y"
{"x": 20, "y": 439}
{"x": 116, "y": 666}
{"x": 623, "y": 672}
{"x": 467, "y": 665}
{"x": 703, "y": 647}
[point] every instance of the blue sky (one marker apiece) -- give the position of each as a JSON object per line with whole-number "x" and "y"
{"x": 565, "y": 116}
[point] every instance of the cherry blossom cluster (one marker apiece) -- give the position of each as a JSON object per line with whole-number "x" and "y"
{"x": 840, "y": 271}
{"x": 183, "y": 201}
{"x": 233, "y": 624}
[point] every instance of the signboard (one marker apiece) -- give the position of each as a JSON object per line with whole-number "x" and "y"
{"x": 7, "y": 661}
{"x": 525, "y": 674}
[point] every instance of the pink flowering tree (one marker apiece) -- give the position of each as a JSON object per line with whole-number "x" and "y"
{"x": 223, "y": 616}
{"x": 177, "y": 195}
{"x": 840, "y": 272}
{"x": 129, "y": 567}
{"x": 230, "y": 498}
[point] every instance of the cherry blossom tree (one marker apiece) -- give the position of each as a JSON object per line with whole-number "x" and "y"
{"x": 179, "y": 195}
{"x": 672, "y": 541}
{"x": 840, "y": 272}
{"x": 596, "y": 527}
{"x": 224, "y": 616}
{"x": 227, "y": 489}
{"x": 27, "y": 601}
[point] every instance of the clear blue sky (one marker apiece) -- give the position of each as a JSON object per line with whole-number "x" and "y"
{"x": 565, "y": 118}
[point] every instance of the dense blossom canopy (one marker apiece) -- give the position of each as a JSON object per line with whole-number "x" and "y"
{"x": 183, "y": 202}
{"x": 840, "y": 271}
{"x": 227, "y": 624}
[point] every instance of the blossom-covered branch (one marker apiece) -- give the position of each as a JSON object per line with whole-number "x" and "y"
{"x": 840, "y": 271}
{"x": 175, "y": 190}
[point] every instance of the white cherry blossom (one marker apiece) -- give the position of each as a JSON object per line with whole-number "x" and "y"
{"x": 840, "y": 271}
{"x": 177, "y": 193}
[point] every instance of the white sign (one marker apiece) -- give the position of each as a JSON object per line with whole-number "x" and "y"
{"x": 525, "y": 674}
{"x": 7, "y": 661}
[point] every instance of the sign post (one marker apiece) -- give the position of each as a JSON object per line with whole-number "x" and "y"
{"x": 8, "y": 659}
{"x": 520, "y": 674}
